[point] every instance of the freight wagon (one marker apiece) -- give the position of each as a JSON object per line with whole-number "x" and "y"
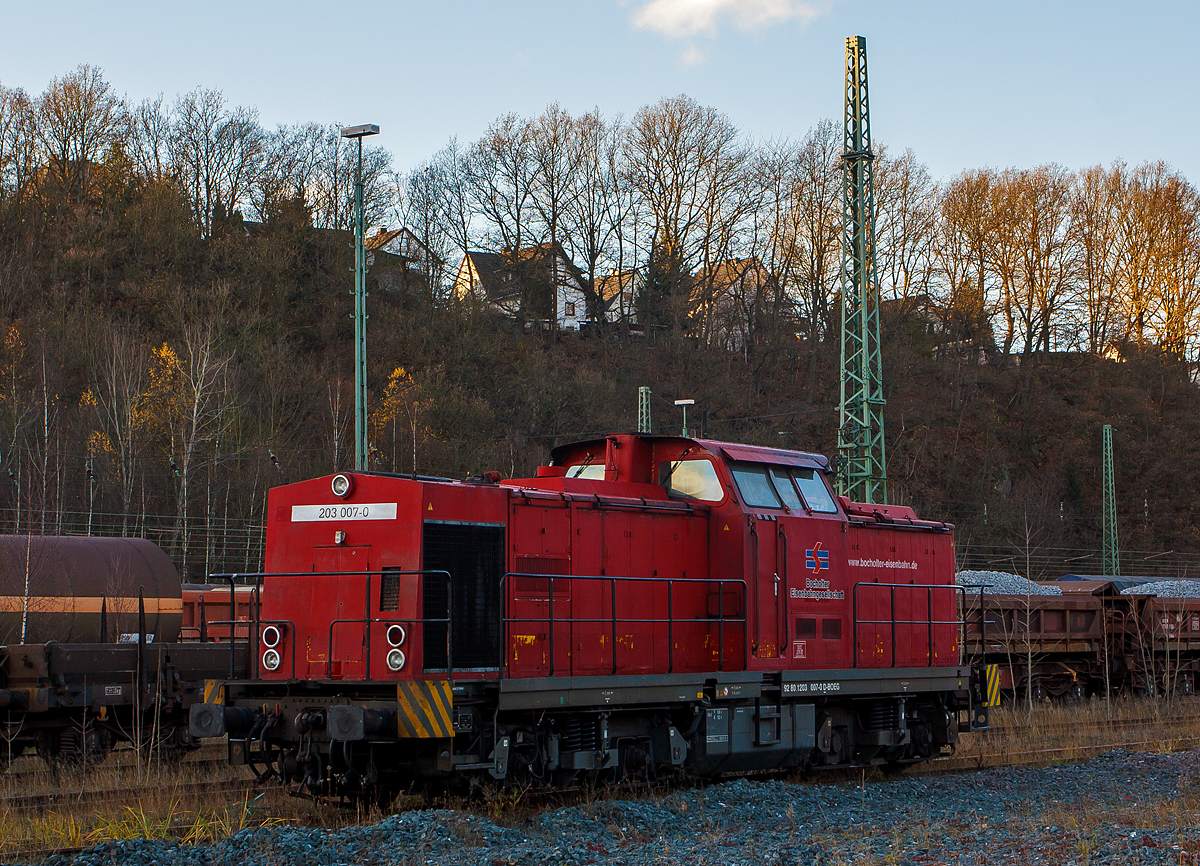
{"x": 1092, "y": 639}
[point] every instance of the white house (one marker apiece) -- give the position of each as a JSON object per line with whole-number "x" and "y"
{"x": 522, "y": 284}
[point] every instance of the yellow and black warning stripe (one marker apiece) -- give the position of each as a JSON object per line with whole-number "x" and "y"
{"x": 993, "y": 686}
{"x": 214, "y": 692}
{"x": 424, "y": 709}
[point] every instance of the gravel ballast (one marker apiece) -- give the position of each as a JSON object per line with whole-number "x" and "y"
{"x": 1003, "y": 583}
{"x": 1121, "y": 807}
{"x": 1167, "y": 589}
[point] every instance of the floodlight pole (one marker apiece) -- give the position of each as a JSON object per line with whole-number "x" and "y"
{"x": 685, "y": 404}
{"x": 360, "y": 303}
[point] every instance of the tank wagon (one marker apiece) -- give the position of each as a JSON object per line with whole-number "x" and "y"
{"x": 645, "y": 604}
{"x": 92, "y": 652}
{"x": 1099, "y": 636}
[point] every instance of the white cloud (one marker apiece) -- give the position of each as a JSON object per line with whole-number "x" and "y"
{"x": 683, "y": 19}
{"x": 691, "y": 56}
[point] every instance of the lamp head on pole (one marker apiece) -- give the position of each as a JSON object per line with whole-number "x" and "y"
{"x": 360, "y": 131}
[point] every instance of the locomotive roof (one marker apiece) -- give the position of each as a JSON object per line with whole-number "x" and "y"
{"x": 732, "y": 450}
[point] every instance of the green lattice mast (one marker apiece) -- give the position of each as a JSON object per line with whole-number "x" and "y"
{"x": 1112, "y": 550}
{"x": 644, "y": 425}
{"x": 860, "y": 434}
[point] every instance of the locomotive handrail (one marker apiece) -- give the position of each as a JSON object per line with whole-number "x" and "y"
{"x": 930, "y": 621}
{"x": 366, "y": 621}
{"x": 612, "y": 620}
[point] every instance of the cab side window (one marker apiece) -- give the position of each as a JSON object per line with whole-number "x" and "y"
{"x": 691, "y": 479}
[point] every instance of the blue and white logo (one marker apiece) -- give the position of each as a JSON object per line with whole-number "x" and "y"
{"x": 816, "y": 559}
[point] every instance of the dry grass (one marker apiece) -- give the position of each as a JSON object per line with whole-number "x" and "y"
{"x": 193, "y": 803}
{"x": 1078, "y": 731}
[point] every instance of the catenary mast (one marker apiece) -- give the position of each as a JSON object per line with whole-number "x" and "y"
{"x": 860, "y": 435}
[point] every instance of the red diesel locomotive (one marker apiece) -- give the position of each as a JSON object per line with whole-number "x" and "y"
{"x": 645, "y": 603}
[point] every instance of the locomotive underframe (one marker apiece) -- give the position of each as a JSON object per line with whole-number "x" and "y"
{"x": 552, "y": 732}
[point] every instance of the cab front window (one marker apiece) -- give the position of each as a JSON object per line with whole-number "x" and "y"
{"x": 815, "y": 493}
{"x": 754, "y": 485}
{"x": 592, "y": 471}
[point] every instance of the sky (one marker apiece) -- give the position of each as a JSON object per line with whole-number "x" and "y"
{"x": 964, "y": 84}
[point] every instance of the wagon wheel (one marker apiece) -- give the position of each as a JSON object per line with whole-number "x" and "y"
{"x": 74, "y": 746}
{"x": 169, "y": 744}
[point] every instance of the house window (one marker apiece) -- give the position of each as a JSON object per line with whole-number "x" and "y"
{"x": 570, "y": 309}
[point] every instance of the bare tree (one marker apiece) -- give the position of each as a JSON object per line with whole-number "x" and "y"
{"x": 1095, "y": 211}
{"x": 1143, "y": 236}
{"x": 149, "y": 145}
{"x": 1176, "y": 313}
{"x": 906, "y": 200}
{"x": 121, "y": 376}
{"x": 502, "y": 173}
{"x": 18, "y": 147}
{"x": 963, "y": 254}
{"x": 691, "y": 170}
{"x": 817, "y": 223}
{"x": 79, "y": 117}
{"x": 193, "y": 398}
{"x": 330, "y": 187}
{"x": 772, "y": 243}
{"x": 599, "y": 208}
{"x": 217, "y": 153}
{"x": 290, "y": 156}
{"x": 1048, "y": 267}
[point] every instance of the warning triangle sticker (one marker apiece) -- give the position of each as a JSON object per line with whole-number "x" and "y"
{"x": 430, "y": 507}
{"x": 726, "y": 527}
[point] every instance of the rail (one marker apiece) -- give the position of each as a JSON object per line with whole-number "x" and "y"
{"x": 255, "y": 624}
{"x": 612, "y": 620}
{"x": 893, "y": 622}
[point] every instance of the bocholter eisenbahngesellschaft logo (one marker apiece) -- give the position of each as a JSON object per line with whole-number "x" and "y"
{"x": 816, "y": 559}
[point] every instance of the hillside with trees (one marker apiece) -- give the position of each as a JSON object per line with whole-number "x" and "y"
{"x": 174, "y": 293}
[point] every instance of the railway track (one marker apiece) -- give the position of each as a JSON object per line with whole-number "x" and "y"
{"x": 122, "y": 793}
{"x": 1105, "y": 724}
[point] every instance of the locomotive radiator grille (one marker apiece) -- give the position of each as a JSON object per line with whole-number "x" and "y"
{"x": 473, "y": 554}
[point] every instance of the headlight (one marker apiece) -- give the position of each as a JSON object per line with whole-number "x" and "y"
{"x": 270, "y": 636}
{"x": 396, "y": 635}
{"x": 395, "y": 659}
{"x": 342, "y": 485}
{"x": 271, "y": 659}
